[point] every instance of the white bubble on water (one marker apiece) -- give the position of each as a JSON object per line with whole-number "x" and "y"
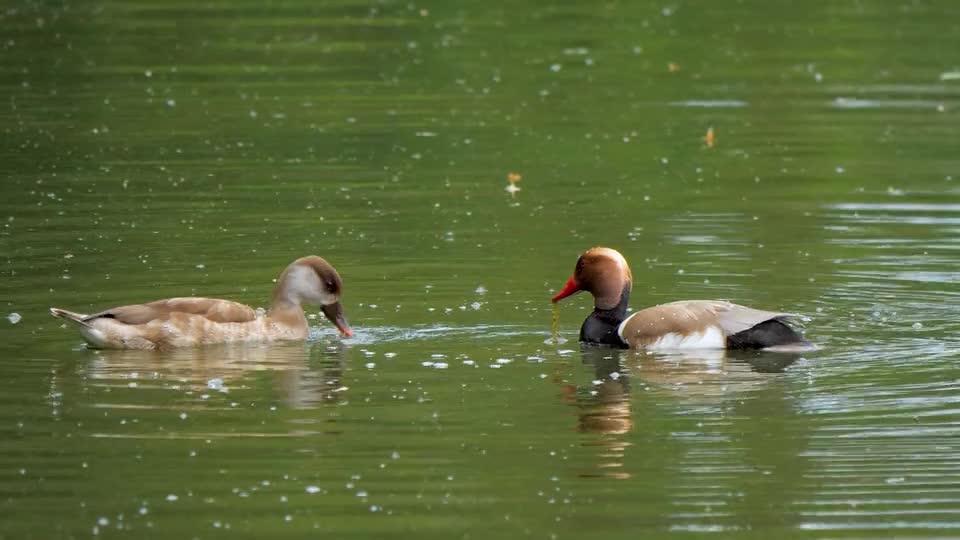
{"x": 216, "y": 383}
{"x": 14, "y": 318}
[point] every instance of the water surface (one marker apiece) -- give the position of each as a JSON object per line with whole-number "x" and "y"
{"x": 182, "y": 148}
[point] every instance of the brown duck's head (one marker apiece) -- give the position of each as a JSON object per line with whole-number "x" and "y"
{"x": 313, "y": 280}
{"x": 603, "y": 272}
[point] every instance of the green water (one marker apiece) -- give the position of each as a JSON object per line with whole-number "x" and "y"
{"x": 154, "y": 149}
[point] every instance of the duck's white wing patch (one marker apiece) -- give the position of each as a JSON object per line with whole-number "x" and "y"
{"x": 710, "y": 338}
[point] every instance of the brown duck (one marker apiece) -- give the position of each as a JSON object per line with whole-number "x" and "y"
{"x": 190, "y": 322}
{"x": 687, "y": 324}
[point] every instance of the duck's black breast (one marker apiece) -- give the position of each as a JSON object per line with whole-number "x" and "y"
{"x": 600, "y": 330}
{"x": 601, "y": 326}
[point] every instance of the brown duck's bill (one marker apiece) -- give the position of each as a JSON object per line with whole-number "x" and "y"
{"x": 570, "y": 288}
{"x": 334, "y": 312}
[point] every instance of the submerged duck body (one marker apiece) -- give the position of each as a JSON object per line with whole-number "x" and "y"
{"x": 191, "y": 322}
{"x": 687, "y": 324}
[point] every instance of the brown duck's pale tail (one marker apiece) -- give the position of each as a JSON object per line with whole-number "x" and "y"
{"x": 69, "y": 316}
{"x": 94, "y": 338}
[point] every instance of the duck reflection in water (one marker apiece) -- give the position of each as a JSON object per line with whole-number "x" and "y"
{"x": 604, "y": 407}
{"x": 304, "y": 376}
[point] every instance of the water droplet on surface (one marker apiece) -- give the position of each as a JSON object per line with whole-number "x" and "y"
{"x": 14, "y": 318}
{"x": 216, "y": 383}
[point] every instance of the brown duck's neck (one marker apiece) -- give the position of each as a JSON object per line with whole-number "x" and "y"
{"x": 287, "y": 312}
{"x": 282, "y": 296}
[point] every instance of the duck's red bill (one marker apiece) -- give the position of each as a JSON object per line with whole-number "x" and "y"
{"x": 570, "y": 288}
{"x": 334, "y": 312}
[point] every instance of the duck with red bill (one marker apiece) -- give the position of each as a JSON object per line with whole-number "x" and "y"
{"x": 687, "y": 324}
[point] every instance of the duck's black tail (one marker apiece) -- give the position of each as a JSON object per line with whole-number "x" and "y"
{"x": 770, "y": 333}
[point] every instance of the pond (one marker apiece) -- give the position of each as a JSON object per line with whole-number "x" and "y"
{"x": 787, "y": 156}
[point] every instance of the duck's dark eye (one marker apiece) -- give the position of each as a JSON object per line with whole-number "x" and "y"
{"x": 331, "y": 286}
